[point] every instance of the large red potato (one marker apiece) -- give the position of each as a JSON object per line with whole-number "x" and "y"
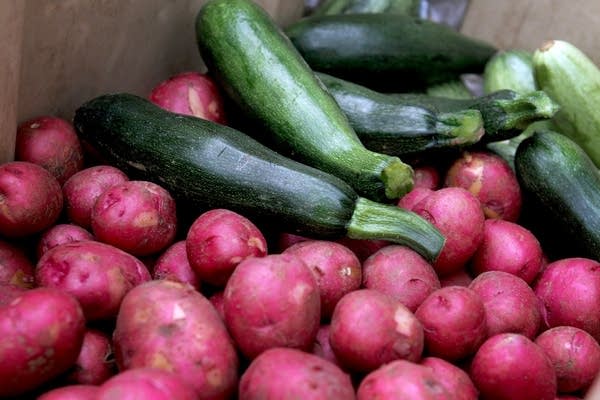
{"x": 190, "y": 93}
{"x": 170, "y": 326}
{"x": 570, "y": 293}
{"x": 98, "y": 275}
{"x": 31, "y": 199}
{"x": 336, "y": 268}
{"x": 83, "y": 188}
{"x": 454, "y": 322}
{"x": 51, "y": 143}
{"x": 491, "y": 180}
{"x": 402, "y": 273}
{"x": 575, "y": 355}
{"x": 459, "y": 217}
{"x": 138, "y": 217}
{"x": 369, "y": 328}
{"x": 510, "y": 366}
{"x": 403, "y": 379}
{"x": 42, "y": 331}
{"x": 272, "y": 301}
{"x": 509, "y": 247}
{"x": 218, "y": 240}
{"x": 288, "y": 374}
{"x": 510, "y": 304}
{"x": 145, "y": 383}
{"x": 16, "y": 268}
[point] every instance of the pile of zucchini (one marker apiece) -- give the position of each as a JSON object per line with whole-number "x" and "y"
{"x": 345, "y": 100}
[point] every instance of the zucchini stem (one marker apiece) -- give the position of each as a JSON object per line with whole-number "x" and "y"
{"x": 372, "y": 220}
{"x": 526, "y": 108}
{"x": 460, "y": 127}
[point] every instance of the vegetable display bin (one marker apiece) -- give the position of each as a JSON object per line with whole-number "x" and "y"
{"x": 56, "y": 54}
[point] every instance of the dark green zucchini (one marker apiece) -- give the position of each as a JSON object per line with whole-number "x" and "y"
{"x": 266, "y": 77}
{"x": 387, "y": 125}
{"x": 562, "y": 187}
{"x": 387, "y": 52}
{"x": 505, "y": 113}
{"x": 408, "y": 7}
{"x": 211, "y": 165}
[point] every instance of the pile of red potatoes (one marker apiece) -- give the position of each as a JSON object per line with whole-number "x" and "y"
{"x": 108, "y": 291}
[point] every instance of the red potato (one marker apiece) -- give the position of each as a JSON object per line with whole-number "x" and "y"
{"x": 336, "y": 268}
{"x": 459, "y": 278}
{"x": 454, "y": 379}
{"x": 31, "y": 199}
{"x": 136, "y": 216}
{"x": 95, "y": 363}
{"x": 9, "y": 292}
{"x": 97, "y": 274}
{"x": 190, "y": 93}
{"x": 454, "y": 322}
{"x": 82, "y": 190}
{"x": 146, "y": 383}
{"x": 42, "y": 332}
{"x": 284, "y": 373}
{"x": 570, "y": 293}
{"x": 369, "y": 328}
{"x": 491, "y": 180}
{"x": 410, "y": 199}
{"x": 71, "y": 392}
{"x": 61, "y": 234}
{"x": 272, "y": 301}
{"x": 218, "y": 241}
{"x": 509, "y": 366}
{"x": 508, "y": 247}
{"x": 426, "y": 176}
{"x": 51, "y": 143}
{"x": 363, "y": 248}
{"x": 322, "y": 347}
{"x": 401, "y": 273}
{"x": 510, "y": 304}
{"x": 170, "y": 326}
{"x": 402, "y": 379}
{"x": 173, "y": 264}
{"x": 575, "y": 355}
{"x": 459, "y": 217}
{"x": 15, "y": 267}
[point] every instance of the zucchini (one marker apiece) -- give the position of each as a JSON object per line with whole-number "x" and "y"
{"x": 206, "y": 164}
{"x": 562, "y": 185}
{"x": 573, "y": 81}
{"x": 408, "y": 7}
{"x": 454, "y": 89}
{"x": 387, "y": 52}
{"x": 265, "y": 76}
{"x": 505, "y": 113}
{"x": 510, "y": 69}
{"x": 388, "y": 125}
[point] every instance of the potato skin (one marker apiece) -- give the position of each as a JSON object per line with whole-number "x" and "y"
{"x": 97, "y": 274}
{"x": 16, "y": 268}
{"x": 42, "y": 332}
{"x": 31, "y": 200}
{"x": 145, "y": 383}
{"x": 168, "y": 325}
{"x": 285, "y": 373}
{"x": 71, "y": 392}
{"x": 273, "y": 301}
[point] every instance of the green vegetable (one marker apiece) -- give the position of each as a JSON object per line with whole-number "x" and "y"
{"x": 387, "y": 52}
{"x": 264, "y": 74}
{"x": 573, "y": 81}
{"x": 206, "y": 164}
{"x": 388, "y": 125}
{"x": 454, "y": 90}
{"x": 505, "y": 113}
{"x": 562, "y": 185}
{"x": 510, "y": 69}
{"x": 407, "y": 7}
